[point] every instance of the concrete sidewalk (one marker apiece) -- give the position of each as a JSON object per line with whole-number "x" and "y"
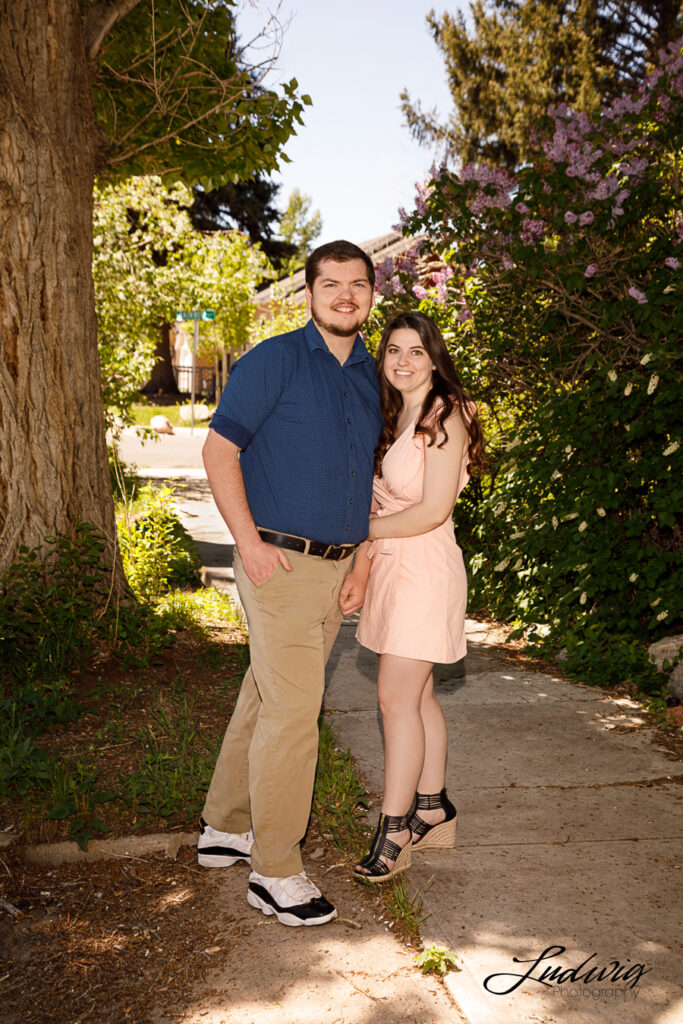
{"x": 570, "y": 829}
{"x": 569, "y": 837}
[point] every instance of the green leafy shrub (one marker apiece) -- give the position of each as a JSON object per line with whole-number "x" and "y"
{"x": 559, "y": 292}
{"x": 156, "y": 549}
{"x": 50, "y": 607}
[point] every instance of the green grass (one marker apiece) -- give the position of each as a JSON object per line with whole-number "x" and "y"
{"x": 143, "y": 412}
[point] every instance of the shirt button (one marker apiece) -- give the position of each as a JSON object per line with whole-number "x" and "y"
{"x": 353, "y": 472}
{"x": 348, "y": 527}
{"x": 347, "y": 394}
{"x": 348, "y": 420}
{"x": 352, "y": 446}
{"x": 350, "y": 501}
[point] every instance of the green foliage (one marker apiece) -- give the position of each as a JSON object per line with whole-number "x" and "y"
{"x": 284, "y": 314}
{"x": 176, "y": 766}
{"x": 405, "y": 909}
{"x": 149, "y": 262}
{"x": 176, "y": 94}
{"x": 155, "y": 547}
{"x": 300, "y": 227}
{"x": 508, "y": 59}
{"x": 338, "y": 792}
{"x": 437, "y": 960}
{"x": 561, "y": 300}
{"x": 51, "y": 602}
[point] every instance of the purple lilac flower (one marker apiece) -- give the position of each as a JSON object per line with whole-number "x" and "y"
{"x": 536, "y": 228}
{"x": 570, "y": 218}
{"x": 396, "y": 286}
{"x": 635, "y": 293}
{"x": 586, "y": 218}
{"x": 672, "y": 262}
{"x": 591, "y": 270}
{"x": 419, "y": 292}
{"x": 507, "y": 261}
{"x": 522, "y": 208}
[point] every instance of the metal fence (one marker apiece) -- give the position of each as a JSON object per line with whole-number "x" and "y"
{"x": 205, "y": 381}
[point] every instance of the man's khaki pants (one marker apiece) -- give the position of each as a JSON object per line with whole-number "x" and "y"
{"x": 265, "y": 771}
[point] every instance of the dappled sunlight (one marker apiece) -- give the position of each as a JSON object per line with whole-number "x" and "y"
{"x": 173, "y": 898}
{"x": 321, "y": 978}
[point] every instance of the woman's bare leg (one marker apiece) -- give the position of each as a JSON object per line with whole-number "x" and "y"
{"x": 400, "y": 686}
{"x": 433, "y": 777}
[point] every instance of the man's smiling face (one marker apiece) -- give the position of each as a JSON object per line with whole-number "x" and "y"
{"x": 340, "y": 297}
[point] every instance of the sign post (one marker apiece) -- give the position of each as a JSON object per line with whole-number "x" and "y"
{"x": 195, "y": 315}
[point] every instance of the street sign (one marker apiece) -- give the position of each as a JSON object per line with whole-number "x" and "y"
{"x": 196, "y": 314}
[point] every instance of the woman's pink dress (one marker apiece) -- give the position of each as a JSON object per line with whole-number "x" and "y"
{"x": 417, "y": 589}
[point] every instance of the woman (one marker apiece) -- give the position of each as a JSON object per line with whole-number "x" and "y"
{"x": 413, "y": 575}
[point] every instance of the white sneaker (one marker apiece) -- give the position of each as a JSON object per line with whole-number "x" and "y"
{"x": 294, "y": 900}
{"x": 223, "y": 849}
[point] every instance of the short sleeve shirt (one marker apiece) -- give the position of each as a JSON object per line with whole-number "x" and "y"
{"x": 307, "y": 428}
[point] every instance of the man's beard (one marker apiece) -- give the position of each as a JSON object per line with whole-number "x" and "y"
{"x": 339, "y": 332}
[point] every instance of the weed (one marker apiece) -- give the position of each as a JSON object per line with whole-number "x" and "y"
{"x": 406, "y": 910}
{"x": 76, "y": 796}
{"x": 176, "y": 765}
{"x": 437, "y": 960}
{"x": 338, "y": 793}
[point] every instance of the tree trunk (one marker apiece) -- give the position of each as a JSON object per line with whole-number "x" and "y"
{"x": 53, "y": 458}
{"x": 163, "y": 378}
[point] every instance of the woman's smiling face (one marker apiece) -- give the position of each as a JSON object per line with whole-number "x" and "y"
{"x": 407, "y": 365}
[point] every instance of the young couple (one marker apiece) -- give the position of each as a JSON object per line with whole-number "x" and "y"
{"x": 317, "y": 454}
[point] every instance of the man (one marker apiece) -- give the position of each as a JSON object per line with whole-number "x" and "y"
{"x": 303, "y": 411}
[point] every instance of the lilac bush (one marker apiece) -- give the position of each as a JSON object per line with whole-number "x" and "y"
{"x": 560, "y": 293}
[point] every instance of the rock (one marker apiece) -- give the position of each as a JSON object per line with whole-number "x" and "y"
{"x": 201, "y": 412}
{"x": 669, "y": 650}
{"x": 161, "y": 424}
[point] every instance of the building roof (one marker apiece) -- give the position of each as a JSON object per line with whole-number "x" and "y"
{"x": 378, "y": 249}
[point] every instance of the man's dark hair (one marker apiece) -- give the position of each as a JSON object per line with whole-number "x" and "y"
{"x": 341, "y": 252}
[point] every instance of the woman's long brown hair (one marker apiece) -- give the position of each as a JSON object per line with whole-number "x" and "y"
{"x": 446, "y": 386}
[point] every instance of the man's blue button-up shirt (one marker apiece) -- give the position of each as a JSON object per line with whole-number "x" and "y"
{"x": 308, "y": 428}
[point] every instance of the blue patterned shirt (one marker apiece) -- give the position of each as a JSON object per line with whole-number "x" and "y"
{"x": 307, "y": 428}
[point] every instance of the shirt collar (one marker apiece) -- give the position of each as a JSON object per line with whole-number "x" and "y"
{"x": 314, "y": 339}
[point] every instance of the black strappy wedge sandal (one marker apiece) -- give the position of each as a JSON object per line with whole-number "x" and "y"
{"x": 433, "y": 837}
{"x": 374, "y": 869}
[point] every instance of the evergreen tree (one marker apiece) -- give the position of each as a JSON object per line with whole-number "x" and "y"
{"x": 521, "y": 55}
{"x": 248, "y": 206}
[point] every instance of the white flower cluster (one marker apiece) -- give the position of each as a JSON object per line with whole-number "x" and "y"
{"x": 601, "y": 512}
{"x": 555, "y": 521}
{"x": 518, "y": 564}
{"x": 654, "y": 381}
{"x": 628, "y": 389}
{"x": 516, "y": 536}
{"x": 672, "y": 448}
{"x": 662, "y": 616}
{"x": 571, "y": 515}
{"x": 612, "y": 375}
{"x": 583, "y": 598}
{"x": 646, "y": 358}
{"x": 556, "y": 475}
{"x": 583, "y": 526}
{"x": 502, "y": 565}
{"x": 633, "y": 577}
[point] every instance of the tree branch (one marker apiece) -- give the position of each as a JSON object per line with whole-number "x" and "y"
{"x": 100, "y": 20}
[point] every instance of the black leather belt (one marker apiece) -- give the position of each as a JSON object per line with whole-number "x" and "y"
{"x": 335, "y": 552}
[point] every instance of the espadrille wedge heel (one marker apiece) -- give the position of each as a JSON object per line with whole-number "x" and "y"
{"x": 372, "y": 868}
{"x": 433, "y": 837}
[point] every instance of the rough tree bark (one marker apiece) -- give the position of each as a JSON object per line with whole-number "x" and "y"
{"x": 53, "y": 462}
